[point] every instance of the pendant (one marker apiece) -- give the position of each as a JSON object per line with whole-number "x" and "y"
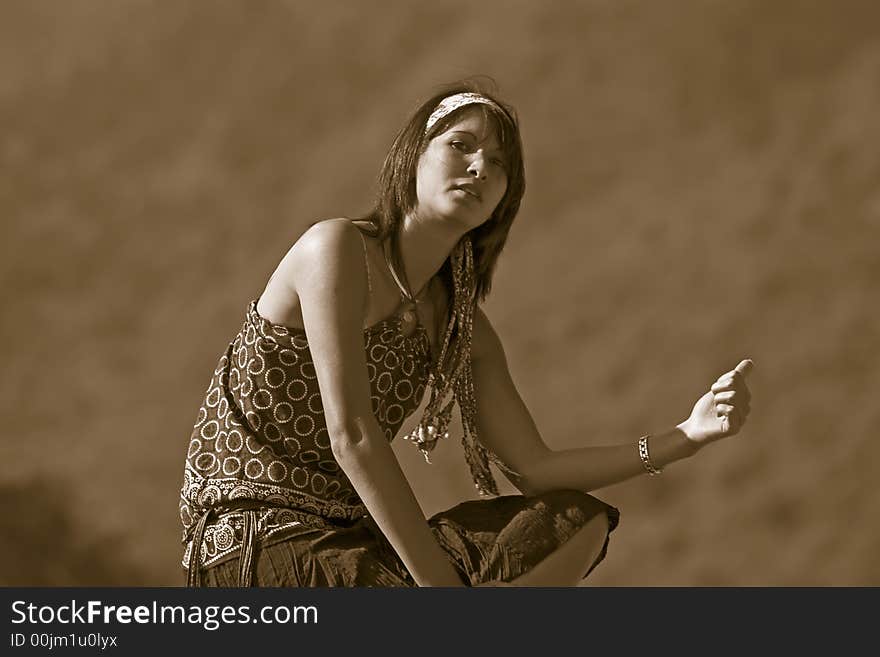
{"x": 408, "y": 321}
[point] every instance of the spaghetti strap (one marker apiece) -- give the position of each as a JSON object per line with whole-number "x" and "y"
{"x": 366, "y": 260}
{"x": 405, "y": 294}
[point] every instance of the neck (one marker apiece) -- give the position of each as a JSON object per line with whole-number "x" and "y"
{"x": 424, "y": 247}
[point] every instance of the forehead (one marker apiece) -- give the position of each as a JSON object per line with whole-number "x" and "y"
{"x": 474, "y": 120}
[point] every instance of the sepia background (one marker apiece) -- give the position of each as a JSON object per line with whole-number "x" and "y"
{"x": 703, "y": 186}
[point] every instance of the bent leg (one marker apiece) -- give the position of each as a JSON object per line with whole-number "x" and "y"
{"x": 551, "y": 539}
{"x": 567, "y": 565}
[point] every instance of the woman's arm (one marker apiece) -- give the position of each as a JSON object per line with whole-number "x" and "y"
{"x": 506, "y": 427}
{"x": 328, "y": 266}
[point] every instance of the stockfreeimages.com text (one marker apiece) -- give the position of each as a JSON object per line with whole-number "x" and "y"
{"x": 211, "y": 617}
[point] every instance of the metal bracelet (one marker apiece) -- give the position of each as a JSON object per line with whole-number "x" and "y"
{"x": 646, "y": 458}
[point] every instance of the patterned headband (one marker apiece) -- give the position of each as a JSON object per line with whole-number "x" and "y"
{"x": 451, "y": 103}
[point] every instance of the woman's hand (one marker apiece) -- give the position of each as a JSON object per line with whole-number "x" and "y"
{"x": 723, "y": 410}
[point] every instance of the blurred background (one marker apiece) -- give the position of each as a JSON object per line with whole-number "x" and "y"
{"x": 703, "y": 186}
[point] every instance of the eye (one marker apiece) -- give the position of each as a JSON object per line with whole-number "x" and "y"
{"x": 459, "y": 145}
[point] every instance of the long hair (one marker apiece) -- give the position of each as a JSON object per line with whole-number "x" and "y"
{"x": 466, "y": 273}
{"x": 396, "y": 194}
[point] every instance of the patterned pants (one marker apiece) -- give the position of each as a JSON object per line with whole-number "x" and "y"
{"x": 495, "y": 539}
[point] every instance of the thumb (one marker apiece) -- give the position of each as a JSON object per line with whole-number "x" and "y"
{"x": 744, "y": 367}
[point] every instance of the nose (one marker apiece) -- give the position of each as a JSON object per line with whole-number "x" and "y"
{"x": 477, "y": 168}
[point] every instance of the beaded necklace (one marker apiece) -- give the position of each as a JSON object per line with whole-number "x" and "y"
{"x": 451, "y": 378}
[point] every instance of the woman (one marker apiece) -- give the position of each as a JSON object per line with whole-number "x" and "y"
{"x": 290, "y": 479}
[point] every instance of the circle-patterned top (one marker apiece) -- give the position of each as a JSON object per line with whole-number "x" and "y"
{"x": 260, "y": 434}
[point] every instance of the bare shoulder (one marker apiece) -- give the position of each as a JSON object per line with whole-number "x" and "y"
{"x": 331, "y": 242}
{"x": 329, "y": 255}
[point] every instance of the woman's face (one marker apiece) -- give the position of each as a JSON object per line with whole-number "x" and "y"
{"x": 462, "y": 174}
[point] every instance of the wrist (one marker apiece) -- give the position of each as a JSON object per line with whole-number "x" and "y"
{"x": 691, "y": 443}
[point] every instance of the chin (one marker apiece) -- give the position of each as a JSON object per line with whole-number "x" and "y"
{"x": 463, "y": 218}
{"x": 468, "y": 223}
{"x": 455, "y": 214}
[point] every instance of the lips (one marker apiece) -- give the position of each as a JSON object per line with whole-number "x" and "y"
{"x": 470, "y": 189}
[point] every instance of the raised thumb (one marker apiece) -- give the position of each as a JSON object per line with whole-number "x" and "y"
{"x": 744, "y": 367}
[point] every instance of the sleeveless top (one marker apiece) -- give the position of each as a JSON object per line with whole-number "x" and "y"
{"x": 260, "y": 440}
